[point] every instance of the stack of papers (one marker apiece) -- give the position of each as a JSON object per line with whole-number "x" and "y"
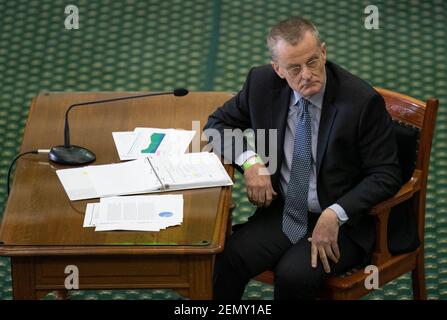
{"x": 135, "y": 213}
{"x": 143, "y": 142}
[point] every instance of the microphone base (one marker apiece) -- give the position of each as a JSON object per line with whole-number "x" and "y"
{"x": 73, "y": 155}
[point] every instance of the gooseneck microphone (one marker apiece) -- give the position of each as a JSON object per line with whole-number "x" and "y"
{"x": 69, "y": 154}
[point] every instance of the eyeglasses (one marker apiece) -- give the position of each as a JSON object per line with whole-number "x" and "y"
{"x": 312, "y": 65}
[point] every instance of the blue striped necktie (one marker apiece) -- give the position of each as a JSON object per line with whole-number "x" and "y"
{"x": 294, "y": 222}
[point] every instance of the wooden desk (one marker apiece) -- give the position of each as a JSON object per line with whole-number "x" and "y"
{"x": 42, "y": 230}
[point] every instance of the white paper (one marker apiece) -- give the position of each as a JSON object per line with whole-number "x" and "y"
{"x": 77, "y": 183}
{"x": 91, "y": 215}
{"x": 135, "y": 213}
{"x": 123, "y": 141}
{"x": 123, "y": 178}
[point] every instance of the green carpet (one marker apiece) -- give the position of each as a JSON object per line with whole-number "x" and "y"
{"x": 210, "y": 45}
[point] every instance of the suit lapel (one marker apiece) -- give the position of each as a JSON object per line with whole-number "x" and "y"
{"x": 328, "y": 114}
{"x": 278, "y": 117}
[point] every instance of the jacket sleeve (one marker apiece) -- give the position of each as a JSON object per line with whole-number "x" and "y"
{"x": 378, "y": 152}
{"x": 225, "y": 126}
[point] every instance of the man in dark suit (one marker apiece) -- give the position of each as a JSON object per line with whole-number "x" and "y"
{"x": 336, "y": 156}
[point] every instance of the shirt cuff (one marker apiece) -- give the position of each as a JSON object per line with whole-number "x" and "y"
{"x": 244, "y": 156}
{"x": 340, "y": 212}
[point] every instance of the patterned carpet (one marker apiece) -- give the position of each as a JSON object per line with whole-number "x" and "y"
{"x": 210, "y": 45}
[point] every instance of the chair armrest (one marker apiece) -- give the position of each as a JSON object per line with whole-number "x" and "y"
{"x": 382, "y": 211}
{"x": 406, "y": 192}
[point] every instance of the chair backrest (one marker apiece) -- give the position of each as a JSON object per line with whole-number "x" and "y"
{"x": 421, "y": 117}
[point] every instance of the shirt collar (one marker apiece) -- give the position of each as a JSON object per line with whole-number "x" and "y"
{"x": 316, "y": 99}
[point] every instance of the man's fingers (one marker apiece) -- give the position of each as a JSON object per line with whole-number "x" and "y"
{"x": 250, "y": 194}
{"x": 257, "y": 196}
{"x": 261, "y": 197}
{"x": 324, "y": 260}
{"x": 268, "y": 196}
{"x": 336, "y": 250}
{"x": 258, "y": 183}
{"x": 314, "y": 255}
{"x": 330, "y": 254}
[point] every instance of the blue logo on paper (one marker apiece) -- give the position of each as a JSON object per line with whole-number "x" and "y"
{"x": 165, "y": 214}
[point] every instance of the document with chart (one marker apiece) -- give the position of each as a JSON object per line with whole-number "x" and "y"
{"x": 151, "y": 174}
{"x": 143, "y": 142}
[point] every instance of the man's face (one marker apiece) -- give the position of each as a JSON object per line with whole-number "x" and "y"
{"x": 302, "y": 65}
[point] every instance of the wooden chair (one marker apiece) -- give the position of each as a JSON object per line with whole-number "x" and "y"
{"x": 421, "y": 117}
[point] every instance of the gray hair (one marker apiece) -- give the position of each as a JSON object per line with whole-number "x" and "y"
{"x": 292, "y": 31}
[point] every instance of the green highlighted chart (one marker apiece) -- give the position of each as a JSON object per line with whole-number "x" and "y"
{"x": 152, "y": 141}
{"x": 155, "y": 141}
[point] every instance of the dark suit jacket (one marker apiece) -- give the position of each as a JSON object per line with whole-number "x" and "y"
{"x": 357, "y": 165}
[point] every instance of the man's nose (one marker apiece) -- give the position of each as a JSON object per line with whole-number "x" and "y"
{"x": 306, "y": 74}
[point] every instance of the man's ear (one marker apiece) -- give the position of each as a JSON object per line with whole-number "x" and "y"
{"x": 323, "y": 52}
{"x": 277, "y": 69}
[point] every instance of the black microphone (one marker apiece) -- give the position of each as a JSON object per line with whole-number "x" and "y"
{"x": 75, "y": 155}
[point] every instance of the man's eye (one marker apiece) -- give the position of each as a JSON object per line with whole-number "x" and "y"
{"x": 312, "y": 63}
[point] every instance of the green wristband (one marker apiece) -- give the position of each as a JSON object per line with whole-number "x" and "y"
{"x": 252, "y": 161}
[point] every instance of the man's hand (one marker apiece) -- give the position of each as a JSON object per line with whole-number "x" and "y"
{"x": 324, "y": 240}
{"x": 259, "y": 185}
